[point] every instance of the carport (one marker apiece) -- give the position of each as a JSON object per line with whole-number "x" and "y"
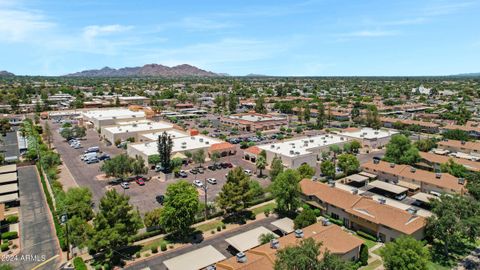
{"x": 423, "y": 197}
{"x": 356, "y": 180}
{"x": 248, "y": 239}
{"x": 197, "y": 259}
{"x": 388, "y": 188}
{"x": 285, "y": 225}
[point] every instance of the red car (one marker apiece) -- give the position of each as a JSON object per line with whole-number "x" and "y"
{"x": 140, "y": 181}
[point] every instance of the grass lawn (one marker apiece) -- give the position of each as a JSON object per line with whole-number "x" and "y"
{"x": 435, "y": 266}
{"x": 155, "y": 243}
{"x": 373, "y": 265}
{"x": 377, "y": 251}
{"x": 262, "y": 208}
{"x": 210, "y": 226}
{"x": 369, "y": 243}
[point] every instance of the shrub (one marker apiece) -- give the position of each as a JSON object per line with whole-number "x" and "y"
{"x": 363, "y": 255}
{"x": 367, "y": 236}
{"x": 137, "y": 255}
{"x": 12, "y": 219}
{"x": 154, "y": 249}
{"x": 267, "y": 212}
{"x": 212, "y": 232}
{"x": 317, "y": 212}
{"x": 163, "y": 247}
{"x": 4, "y": 247}
{"x": 224, "y": 226}
{"x": 98, "y": 267}
{"x": 106, "y": 266}
{"x": 147, "y": 254}
{"x": 79, "y": 264}
{"x": 219, "y": 228}
{"x": 9, "y": 235}
{"x": 170, "y": 246}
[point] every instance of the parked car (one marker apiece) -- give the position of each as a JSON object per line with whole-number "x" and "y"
{"x": 125, "y": 185}
{"x": 211, "y": 167}
{"x": 198, "y": 183}
{"x": 200, "y": 170}
{"x": 92, "y": 160}
{"x": 194, "y": 171}
{"x": 400, "y": 197}
{"x": 226, "y": 165}
{"x": 160, "y": 199}
{"x": 159, "y": 168}
{"x": 104, "y": 157}
{"x": 140, "y": 181}
{"x": 77, "y": 146}
{"x": 92, "y": 149}
{"x": 212, "y": 181}
{"x": 248, "y": 172}
{"x": 182, "y": 174}
{"x": 218, "y": 166}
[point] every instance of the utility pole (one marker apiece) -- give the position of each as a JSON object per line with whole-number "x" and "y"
{"x": 205, "y": 188}
{"x": 64, "y": 220}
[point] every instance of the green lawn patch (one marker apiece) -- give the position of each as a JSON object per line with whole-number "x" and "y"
{"x": 372, "y": 265}
{"x": 209, "y": 226}
{"x": 369, "y": 243}
{"x": 262, "y": 208}
{"x": 154, "y": 244}
{"x": 377, "y": 251}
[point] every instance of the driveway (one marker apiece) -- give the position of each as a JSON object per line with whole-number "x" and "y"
{"x": 218, "y": 242}
{"x": 38, "y": 241}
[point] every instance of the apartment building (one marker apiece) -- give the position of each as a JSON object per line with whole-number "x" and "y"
{"x": 363, "y": 213}
{"x": 416, "y": 179}
{"x": 428, "y": 127}
{"x": 332, "y": 237}
{"x": 467, "y": 147}
{"x": 472, "y": 127}
{"x": 433, "y": 161}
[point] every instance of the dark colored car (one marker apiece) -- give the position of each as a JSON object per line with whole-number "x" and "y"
{"x": 104, "y": 157}
{"x": 211, "y": 167}
{"x": 160, "y": 199}
{"x": 115, "y": 181}
{"x": 226, "y": 165}
{"x": 218, "y": 166}
{"x": 194, "y": 171}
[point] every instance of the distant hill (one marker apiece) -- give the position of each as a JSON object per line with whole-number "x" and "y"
{"x": 4, "y": 73}
{"x": 477, "y": 74}
{"x": 150, "y": 70}
{"x": 255, "y": 75}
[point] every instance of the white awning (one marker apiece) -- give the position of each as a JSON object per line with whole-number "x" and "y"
{"x": 284, "y": 224}
{"x": 424, "y": 197}
{"x": 194, "y": 260}
{"x": 357, "y": 178}
{"x": 247, "y": 240}
{"x": 388, "y": 187}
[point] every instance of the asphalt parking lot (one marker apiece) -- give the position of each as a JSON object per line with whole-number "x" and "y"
{"x": 142, "y": 197}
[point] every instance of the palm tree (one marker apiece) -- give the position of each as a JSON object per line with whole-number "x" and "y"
{"x": 261, "y": 164}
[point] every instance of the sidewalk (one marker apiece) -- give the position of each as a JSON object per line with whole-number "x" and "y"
{"x": 66, "y": 178}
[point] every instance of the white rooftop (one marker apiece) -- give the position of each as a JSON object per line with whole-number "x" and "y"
{"x": 112, "y": 114}
{"x": 139, "y": 127}
{"x": 171, "y": 132}
{"x": 197, "y": 259}
{"x": 248, "y": 239}
{"x": 369, "y": 133}
{"x": 256, "y": 117}
{"x": 179, "y": 144}
{"x": 388, "y": 187}
{"x": 304, "y": 145}
{"x": 284, "y": 224}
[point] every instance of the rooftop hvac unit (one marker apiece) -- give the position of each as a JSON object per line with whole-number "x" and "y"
{"x": 274, "y": 244}
{"x": 193, "y": 137}
{"x": 412, "y": 210}
{"x": 241, "y": 257}
{"x": 201, "y": 139}
{"x": 376, "y": 161}
{"x": 311, "y": 140}
{"x": 184, "y": 146}
{"x": 297, "y": 153}
{"x": 355, "y": 191}
{"x": 438, "y": 175}
{"x": 412, "y": 169}
{"x": 298, "y": 233}
{"x": 382, "y": 200}
{"x": 291, "y": 152}
{"x": 272, "y": 146}
{"x": 207, "y": 142}
{"x": 461, "y": 181}
{"x": 463, "y": 142}
{"x": 392, "y": 165}
{"x": 361, "y": 135}
{"x": 326, "y": 222}
{"x": 376, "y": 132}
{"x": 183, "y": 143}
{"x": 341, "y": 138}
{"x": 324, "y": 141}
{"x": 331, "y": 183}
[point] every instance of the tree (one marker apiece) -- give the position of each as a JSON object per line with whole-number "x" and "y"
{"x": 66, "y": 133}
{"x": 306, "y": 113}
{"x": 236, "y": 193}
{"x": 363, "y": 255}
{"x": 232, "y": 102}
{"x": 328, "y": 169}
{"x": 138, "y": 166}
{"x": 260, "y": 105}
{"x": 373, "y": 119}
{"x": 306, "y": 218}
{"x": 455, "y": 169}
{"x": 306, "y": 171}
{"x": 456, "y": 134}
{"x": 348, "y": 163}
{"x": 119, "y": 166}
{"x": 405, "y": 253}
{"x": 306, "y": 256}
{"x": 47, "y": 134}
{"x": 320, "y": 115}
{"x": 199, "y": 156}
{"x": 152, "y": 218}
{"x": 77, "y": 201}
{"x": 79, "y": 231}
{"x": 276, "y": 168}
{"x": 473, "y": 185}
{"x": 454, "y": 223}
{"x": 154, "y": 159}
{"x": 164, "y": 146}
{"x": 180, "y": 206}
{"x": 266, "y": 238}
{"x": 425, "y": 145}
{"x": 114, "y": 224}
{"x": 79, "y": 132}
{"x": 261, "y": 164}
{"x": 355, "y": 146}
{"x": 286, "y": 190}
{"x": 4, "y": 126}
{"x": 215, "y": 156}
{"x": 401, "y": 151}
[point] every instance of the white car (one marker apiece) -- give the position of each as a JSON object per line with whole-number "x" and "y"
{"x": 248, "y": 172}
{"x": 212, "y": 181}
{"x": 197, "y": 183}
{"x": 125, "y": 185}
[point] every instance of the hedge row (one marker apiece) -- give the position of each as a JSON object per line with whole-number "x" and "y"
{"x": 10, "y": 235}
{"x": 367, "y": 236}
{"x": 58, "y": 228}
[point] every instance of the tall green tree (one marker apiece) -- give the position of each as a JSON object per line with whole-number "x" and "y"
{"x": 286, "y": 190}
{"x": 236, "y": 193}
{"x": 401, "y": 151}
{"x": 320, "y": 115}
{"x": 164, "y": 146}
{"x": 199, "y": 156}
{"x": 405, "y": 253}
{"x": 77, "y": 201}
{"x": 114, "y": 225}
{"x": 306, "y": 171}
{"x": 276, "y": 168}
{"x": 455, "y": 169}
{"x": 261, "y": 164}
{"x": 328, "y": 169}
{"x": 306, "y": 113}
{"x": 372, "y": 118}
{"x": 348, "y": 163}
{"x": 260, "y": 105}
{"x": 232, "y": 102}
{"x": 119, "y": 166}
{"x": 152, "y": 218}
{"x": 306, "y": 218}
{"x": 473, "y": 185}
{"x": 179, "y": 209}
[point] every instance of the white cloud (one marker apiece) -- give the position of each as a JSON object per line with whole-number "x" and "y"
{"x": 369, "y": 34}
{"x": 17, "y": 25}
{"x": 92, "y": 31}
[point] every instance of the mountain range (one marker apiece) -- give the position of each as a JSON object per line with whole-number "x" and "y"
{"x": 150, "y": 70}
{"x": 4, "y": 73}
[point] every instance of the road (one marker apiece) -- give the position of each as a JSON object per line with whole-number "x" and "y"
{"x": 218, "y": 242}
{"x": 37, "y": 235}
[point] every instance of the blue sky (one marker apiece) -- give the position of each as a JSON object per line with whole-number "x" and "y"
{"x": 304, "y": 37}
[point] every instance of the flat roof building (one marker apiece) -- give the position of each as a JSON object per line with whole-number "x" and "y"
{"x": 9, "y": 189}
{"x": 107, "y": 117}
{"x": 124, "y": 131}
{"x": 304, "y": 150}
{"x": 369, "y": 137}
{"x": 254, "y": 121}
{"x": 173, "y": 133}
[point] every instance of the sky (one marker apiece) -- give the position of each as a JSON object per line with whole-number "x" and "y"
{"x": 239, "y": 37}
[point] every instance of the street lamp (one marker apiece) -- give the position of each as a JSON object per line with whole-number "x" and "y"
{"x": 64, "y": 220}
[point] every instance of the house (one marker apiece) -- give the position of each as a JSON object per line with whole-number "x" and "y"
{"x": 252, "y": 153}
{"x": 473, "y": 128}
{"x": 108, "y": 117}
{"x": 362, "y": 213}
{"x": 433, "y": 161}
{"x": 416, "y": 179}
{"x": 333, "y": 238}
{"x": 428, "y": 127}
{"x": 467, "y": 147}
{"x": 125, "y": 130}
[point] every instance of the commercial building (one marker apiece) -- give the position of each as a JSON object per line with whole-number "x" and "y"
{"x": 416, "y": 179}
{"x": 9, "y": 190}
{"x": 333, "y": 238}
{"x": 254, "y": 121}
{"x": 467, "y": 147}
{"x": 101, "y": 118}
{"x": 173, "y": 133}
{"x": 180, "y": 145}
{"x": 134, "y": 100}
{"x": 368, "y": 137}
{"x": 307, "y": 150}
{"x": 363, "y": 213}
{"x": 125, "y": 130}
